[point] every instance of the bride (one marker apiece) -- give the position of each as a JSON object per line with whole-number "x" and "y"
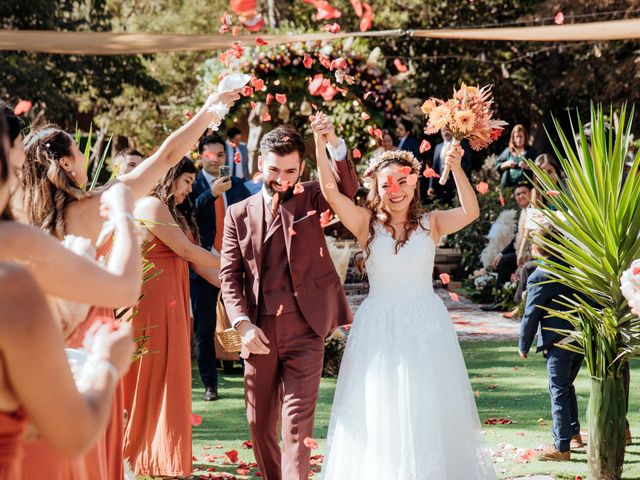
{"x": 403, "y": 406}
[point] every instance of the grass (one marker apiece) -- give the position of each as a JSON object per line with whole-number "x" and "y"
{"x": 508, "y": 388}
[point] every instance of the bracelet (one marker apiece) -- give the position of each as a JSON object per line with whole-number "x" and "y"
{"x": 219, "y": 111}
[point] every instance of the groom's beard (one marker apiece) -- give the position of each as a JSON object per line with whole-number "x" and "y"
{"x": 283, "y": 196}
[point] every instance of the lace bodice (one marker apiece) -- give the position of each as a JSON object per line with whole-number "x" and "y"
{"x": 407, "y": 273}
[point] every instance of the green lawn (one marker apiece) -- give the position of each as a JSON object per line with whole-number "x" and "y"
{"x": 508, "y": 388}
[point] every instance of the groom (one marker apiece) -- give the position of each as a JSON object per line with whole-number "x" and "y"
{"x": 283, "y": 296}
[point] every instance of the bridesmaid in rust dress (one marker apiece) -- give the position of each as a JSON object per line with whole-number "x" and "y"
{"x": 158, "y": 386}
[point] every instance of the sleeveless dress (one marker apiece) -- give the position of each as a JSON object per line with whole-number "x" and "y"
{"x": 104, "y": 461}
{"x": 157, "y": 388}
{"x": 403, "y": 406}
{"x": 12, "y": 427}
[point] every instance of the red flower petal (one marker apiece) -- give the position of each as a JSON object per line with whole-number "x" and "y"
{"x": 23, "y": 106}
{"x": 357, "y": 153}
{"x": 331, "y": 28}
{"x": 196, "y": 420}
{"x": 234, "y": 31}
{"x": 405, "y": 170}
{"x": 502, "y": 202}
{"x": 247, "y": 91}
{"x": 281, "y": 98}
{"x": 279, "y": 312}
{"x": 366, "y": 21}
{"x": 292, "y": 232}
{"x": 310, "y": 443}
{"x": 400, "y": 66}
{"x": 237, "y": 158}
{"x": 445, "y": 278}
{"x": 366, "y": 94}
{"x": 265, "y": 117}
{"x": 187, "y": 114}
{"x": 269, "y": 98}
{"x": 454, "y": 296}
{"x": 365, "y": 116}
{"x": 559, "y": 18}
{"x": 321, "y": 252}
{"x": 298, "y": 189}
{"x": 482, "y": 188}
{"x": 307, "y": 61}
{"x": 257, "y": 83}
{"x": 357, "y": 7}
{"x": 325, "y": 218}
{"x": 430, "y": 172}
{"x": 223, "y": 29}
{"x": 260, "y": 42}
{"x": 232, "y": 456}
{"x": 553, "y": 193}
{"x": 425, "y": 146}
{"x": 311, "y": 213}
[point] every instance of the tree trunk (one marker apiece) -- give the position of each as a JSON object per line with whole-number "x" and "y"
{"x": 606, "y": 415}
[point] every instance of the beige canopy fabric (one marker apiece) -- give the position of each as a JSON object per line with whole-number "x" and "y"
{"x": 111, "y": 43}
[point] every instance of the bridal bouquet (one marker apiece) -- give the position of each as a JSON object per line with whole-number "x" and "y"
{"x": 630, "y": 283}
{"x": 468, "y": 115}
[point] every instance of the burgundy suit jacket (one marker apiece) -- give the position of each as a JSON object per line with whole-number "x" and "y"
{"x": 316, "y": 284}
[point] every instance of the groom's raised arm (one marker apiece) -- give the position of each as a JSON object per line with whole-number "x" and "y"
{"x": 232, "y": 272}
{"x": 342, "y": 166}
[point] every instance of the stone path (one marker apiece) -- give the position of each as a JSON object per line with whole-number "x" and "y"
{"x": 470, "y": 321}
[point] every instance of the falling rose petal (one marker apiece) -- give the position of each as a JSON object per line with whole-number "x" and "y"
{"x": 265, "y": 117}
{"x": 281, "y": 98}
{"x": 292, "y": 232}
{"x": 357, "y": 7}
{"x": 553, "y": 193}
{"x": 232, "y": 456}
{"x": 247, "y": 91}
{"x": 405, "y": 170}
{"x": 223, "y": 29}
{"x": 307, "y": 61}
{"x": 234, "y": 31}
{"x": 559, "y": 18}
{"x": 321, "y": 252}
{"x": 298, "y": 189}
{"x": 445, "y": 278}
{"x": 260, "y": 42}
{"x": 357, "y": 153}
{"x": 366, "y": 94}
{"x": 325, "y": 218}
{"x": 237, "y": 158}
{"x": 430, "y": 172}
{"x": 331, "y": 28}
{"x": 502, "y": 202}
{"x": 365, "y": 116}
{"x": 187, "y": 114}
{"x": 257, "y": 83}
{"x": 482, "y": 188}
{"x": 425, "y": 146}
{"x": 196, "y": 420}
{"x": 477, "y": 393}
{"x": 400, "y": 66}
{"x": 412, "y": 179}
{"x": 454, "y": 296}
{"x": 269, "y": 98}
{"x": 315, "y": 107}
{"x": 23, "y": 106}
{"x": 310, "y": 443}
{"x": 366, "y": 20}
{"x": 280, "y": 309}
{"x": 310, "y": 213}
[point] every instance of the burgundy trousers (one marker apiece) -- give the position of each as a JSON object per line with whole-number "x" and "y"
{"x": 282, "y": 388}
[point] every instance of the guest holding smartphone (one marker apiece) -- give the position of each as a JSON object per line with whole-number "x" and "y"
{"x": 212, "y": 193}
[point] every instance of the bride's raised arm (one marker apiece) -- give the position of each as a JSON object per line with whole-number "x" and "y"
{"x": 144, "y": 177}
{"x": 354, "y": 218}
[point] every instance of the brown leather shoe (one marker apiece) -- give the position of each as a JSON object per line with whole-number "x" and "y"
{"x": 576, "y": 441}
{"x": 551, "y": 454}
{"x": 627, "y": 437}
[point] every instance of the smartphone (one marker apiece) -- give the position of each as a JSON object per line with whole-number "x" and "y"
{"x": 225, "y": 171}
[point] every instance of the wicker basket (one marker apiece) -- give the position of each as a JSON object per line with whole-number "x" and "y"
{"x": 230, "y": 340}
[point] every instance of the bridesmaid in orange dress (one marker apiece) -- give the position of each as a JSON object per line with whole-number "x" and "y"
{"x": 54, "y": 174}
{"x": 158, "y": 386}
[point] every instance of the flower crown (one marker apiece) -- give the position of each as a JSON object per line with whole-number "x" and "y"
{"x": 382, "y": 157}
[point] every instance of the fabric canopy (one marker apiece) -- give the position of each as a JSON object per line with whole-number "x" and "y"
{"x": 112, "y": 43}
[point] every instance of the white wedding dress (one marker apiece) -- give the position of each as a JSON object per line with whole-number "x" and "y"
{"x": 403, "y": 407}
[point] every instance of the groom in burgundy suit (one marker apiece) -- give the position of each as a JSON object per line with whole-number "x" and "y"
{"x": 283, "y": 295}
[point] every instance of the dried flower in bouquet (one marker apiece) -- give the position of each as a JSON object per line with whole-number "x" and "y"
{"x": 468, "y": 115}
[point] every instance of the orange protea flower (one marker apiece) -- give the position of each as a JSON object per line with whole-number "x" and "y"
{"x": 465, "y": 121}
{"x": 440, "y": 117}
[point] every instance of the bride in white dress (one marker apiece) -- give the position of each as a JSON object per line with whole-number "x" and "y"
{"x": 403, "y": 407}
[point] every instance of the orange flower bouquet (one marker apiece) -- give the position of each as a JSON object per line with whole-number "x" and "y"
{"x": 467, "y": 115}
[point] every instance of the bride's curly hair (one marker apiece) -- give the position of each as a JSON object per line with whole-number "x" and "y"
{"x": 376, "y": 206}
{"x": 48, "y": 190}
{"x": 184, "y": 213}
